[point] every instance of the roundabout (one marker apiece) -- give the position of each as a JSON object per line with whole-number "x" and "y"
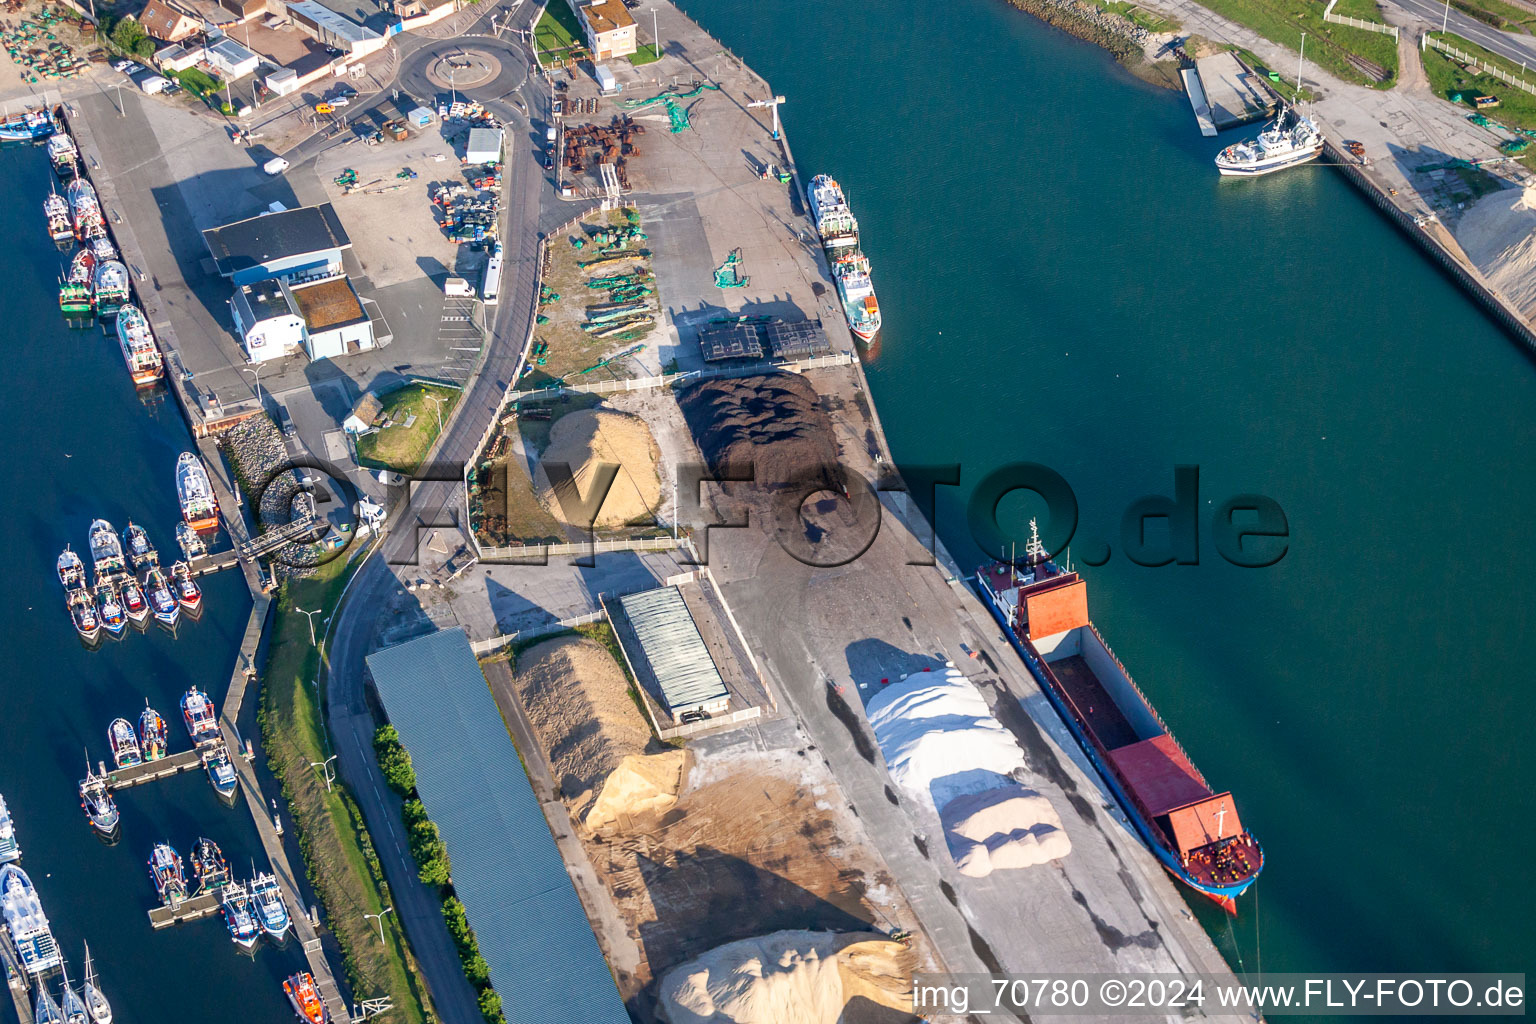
{"x": 480, "y": 68}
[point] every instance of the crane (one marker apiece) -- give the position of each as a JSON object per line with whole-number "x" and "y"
{"x": 773, "y": 103}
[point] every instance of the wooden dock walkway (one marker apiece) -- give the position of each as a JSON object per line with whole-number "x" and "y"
{"x": 149, "y": 771}
{"x": 16, "y": 980}
{"x": 194, "y": 908}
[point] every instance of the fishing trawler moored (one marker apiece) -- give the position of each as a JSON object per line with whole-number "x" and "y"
{"x": 110, "y": 608}
{"x": 240, "y": 916}
{"x": 27, "y": 126}
{"x": 271, "y": 911}
{"x": 166, "y": 872}
{"x": 56, "y": 209}
{"x": 209, "y": 869}
{"x": 221, "y": 773}
{"x": 124, "y": 744}
{"x": 152, "y": 733}
{"x": 63, "y": 154}
{"x": 133, "y": 600}
{"x": 162, "y": 600}
{"x": 96, "y": 800}
{"x": 111, "y": 287}
{"x": 145, "y": 363}
{"x": 199, "y": 506}
{"x": 198, "y": 714}
{"x": 76, "y": 297}
{"x": 187, "y": 591}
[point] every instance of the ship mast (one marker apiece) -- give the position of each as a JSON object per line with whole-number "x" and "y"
{"x": 1034, "y": 551}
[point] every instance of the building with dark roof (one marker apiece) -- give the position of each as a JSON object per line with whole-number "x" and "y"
{"x": 507, "y": 871}
{"x": 334, "y": 319}
{"x": 302, "y": 243}
{"x": 799, "y": 340}
{"x": 334, "y": 29}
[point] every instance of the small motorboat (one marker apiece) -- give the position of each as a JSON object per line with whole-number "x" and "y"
{"x": 152, "y": 733}
{"x": 166, "y": 871}
{"x": 304, "y": 999}
{"x": 125, "y": 745}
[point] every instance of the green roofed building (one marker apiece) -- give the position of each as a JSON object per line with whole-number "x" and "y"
{"x": 544, "y": 958}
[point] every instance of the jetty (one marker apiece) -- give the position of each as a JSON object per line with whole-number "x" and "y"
{"x": 1226, "y": 93}
{"x": 16, "y": 979}
{"x": 194, "y": 908}
{"x": 149, "y": 771}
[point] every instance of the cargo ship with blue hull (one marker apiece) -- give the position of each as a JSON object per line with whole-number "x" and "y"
{"x": 1194, "y": 831}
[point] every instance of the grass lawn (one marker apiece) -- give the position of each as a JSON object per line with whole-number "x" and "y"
{"x": 645, "y": 54}
{"x": 402, "y": 447}
{"x": 1149, "y": 20}
{"x": 558, "y": 31}
{"x": 339, "y": 855}
{"x": 1446, "y": 76}
{"x": 1283, "y": 22}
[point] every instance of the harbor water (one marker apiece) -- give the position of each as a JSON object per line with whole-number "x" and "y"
{"x": 84, "y": 444}
{"x": 1066, "y": 280}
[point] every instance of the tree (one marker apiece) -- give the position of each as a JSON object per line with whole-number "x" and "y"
{"x": 394, "y": 760}
{"x": 128, "y": 33}
{"x": 476, "y": 970}
{"x": 490, "y": 1006}
{"x": 144, "y": 48}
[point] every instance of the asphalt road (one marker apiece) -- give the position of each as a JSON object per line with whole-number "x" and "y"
{"x": 352, "y": 627}
{"x": 1520, "y": 49}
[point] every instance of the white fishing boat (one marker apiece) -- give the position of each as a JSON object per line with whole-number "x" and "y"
{"x": 140, "y": 351}
{"x": 270, "y": 907}
{"x": 106, "y": 549}
{"x": 199, "y": 506}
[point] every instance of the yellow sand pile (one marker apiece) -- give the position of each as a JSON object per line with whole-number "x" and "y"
{"x": 1499, "y": 235}
{"x": 799, "y": 976}
{"x": 589, "y": 438}
{"x": 577, "y": 698}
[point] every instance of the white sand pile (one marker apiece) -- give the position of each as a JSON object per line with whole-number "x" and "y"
{"x": 588, "y": 438}
{"x": 939, "y": 738}
{"x": 944, "y": 747}
{"x": 790, "y": 977}
{"x": 641, "y": 784}
{"x": 1011, "y": 827}
{"x": 578, "y": 700}
{"x": 1499, "y": 235}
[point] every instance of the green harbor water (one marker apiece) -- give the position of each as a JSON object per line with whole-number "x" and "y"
{"x": 83, "y": 443}
{"x": 1065, "y": 279}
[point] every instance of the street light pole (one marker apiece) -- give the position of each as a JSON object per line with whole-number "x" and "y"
{"x": 1446, "y": 20}
{"x": 311, "y": 617}
{"x": 379, "y": 917}
{"x": 326, "y": 770}
{"x": 655, "y": 33}
{"x": 437, "y": 406}
{"x": 256, "y": 375}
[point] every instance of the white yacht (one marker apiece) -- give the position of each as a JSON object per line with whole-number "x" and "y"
{"x": 26, "y": 922}
{"x": 10, "y": 850}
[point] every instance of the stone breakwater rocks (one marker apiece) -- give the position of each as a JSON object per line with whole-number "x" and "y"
{"x": 1119, "y": 35}
{"x": 254, "y": 447}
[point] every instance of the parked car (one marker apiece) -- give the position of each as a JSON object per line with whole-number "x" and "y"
{"x": 125, "y": 66}
{"x": 340, "y": 101}
{"x": 347, "y": 91}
